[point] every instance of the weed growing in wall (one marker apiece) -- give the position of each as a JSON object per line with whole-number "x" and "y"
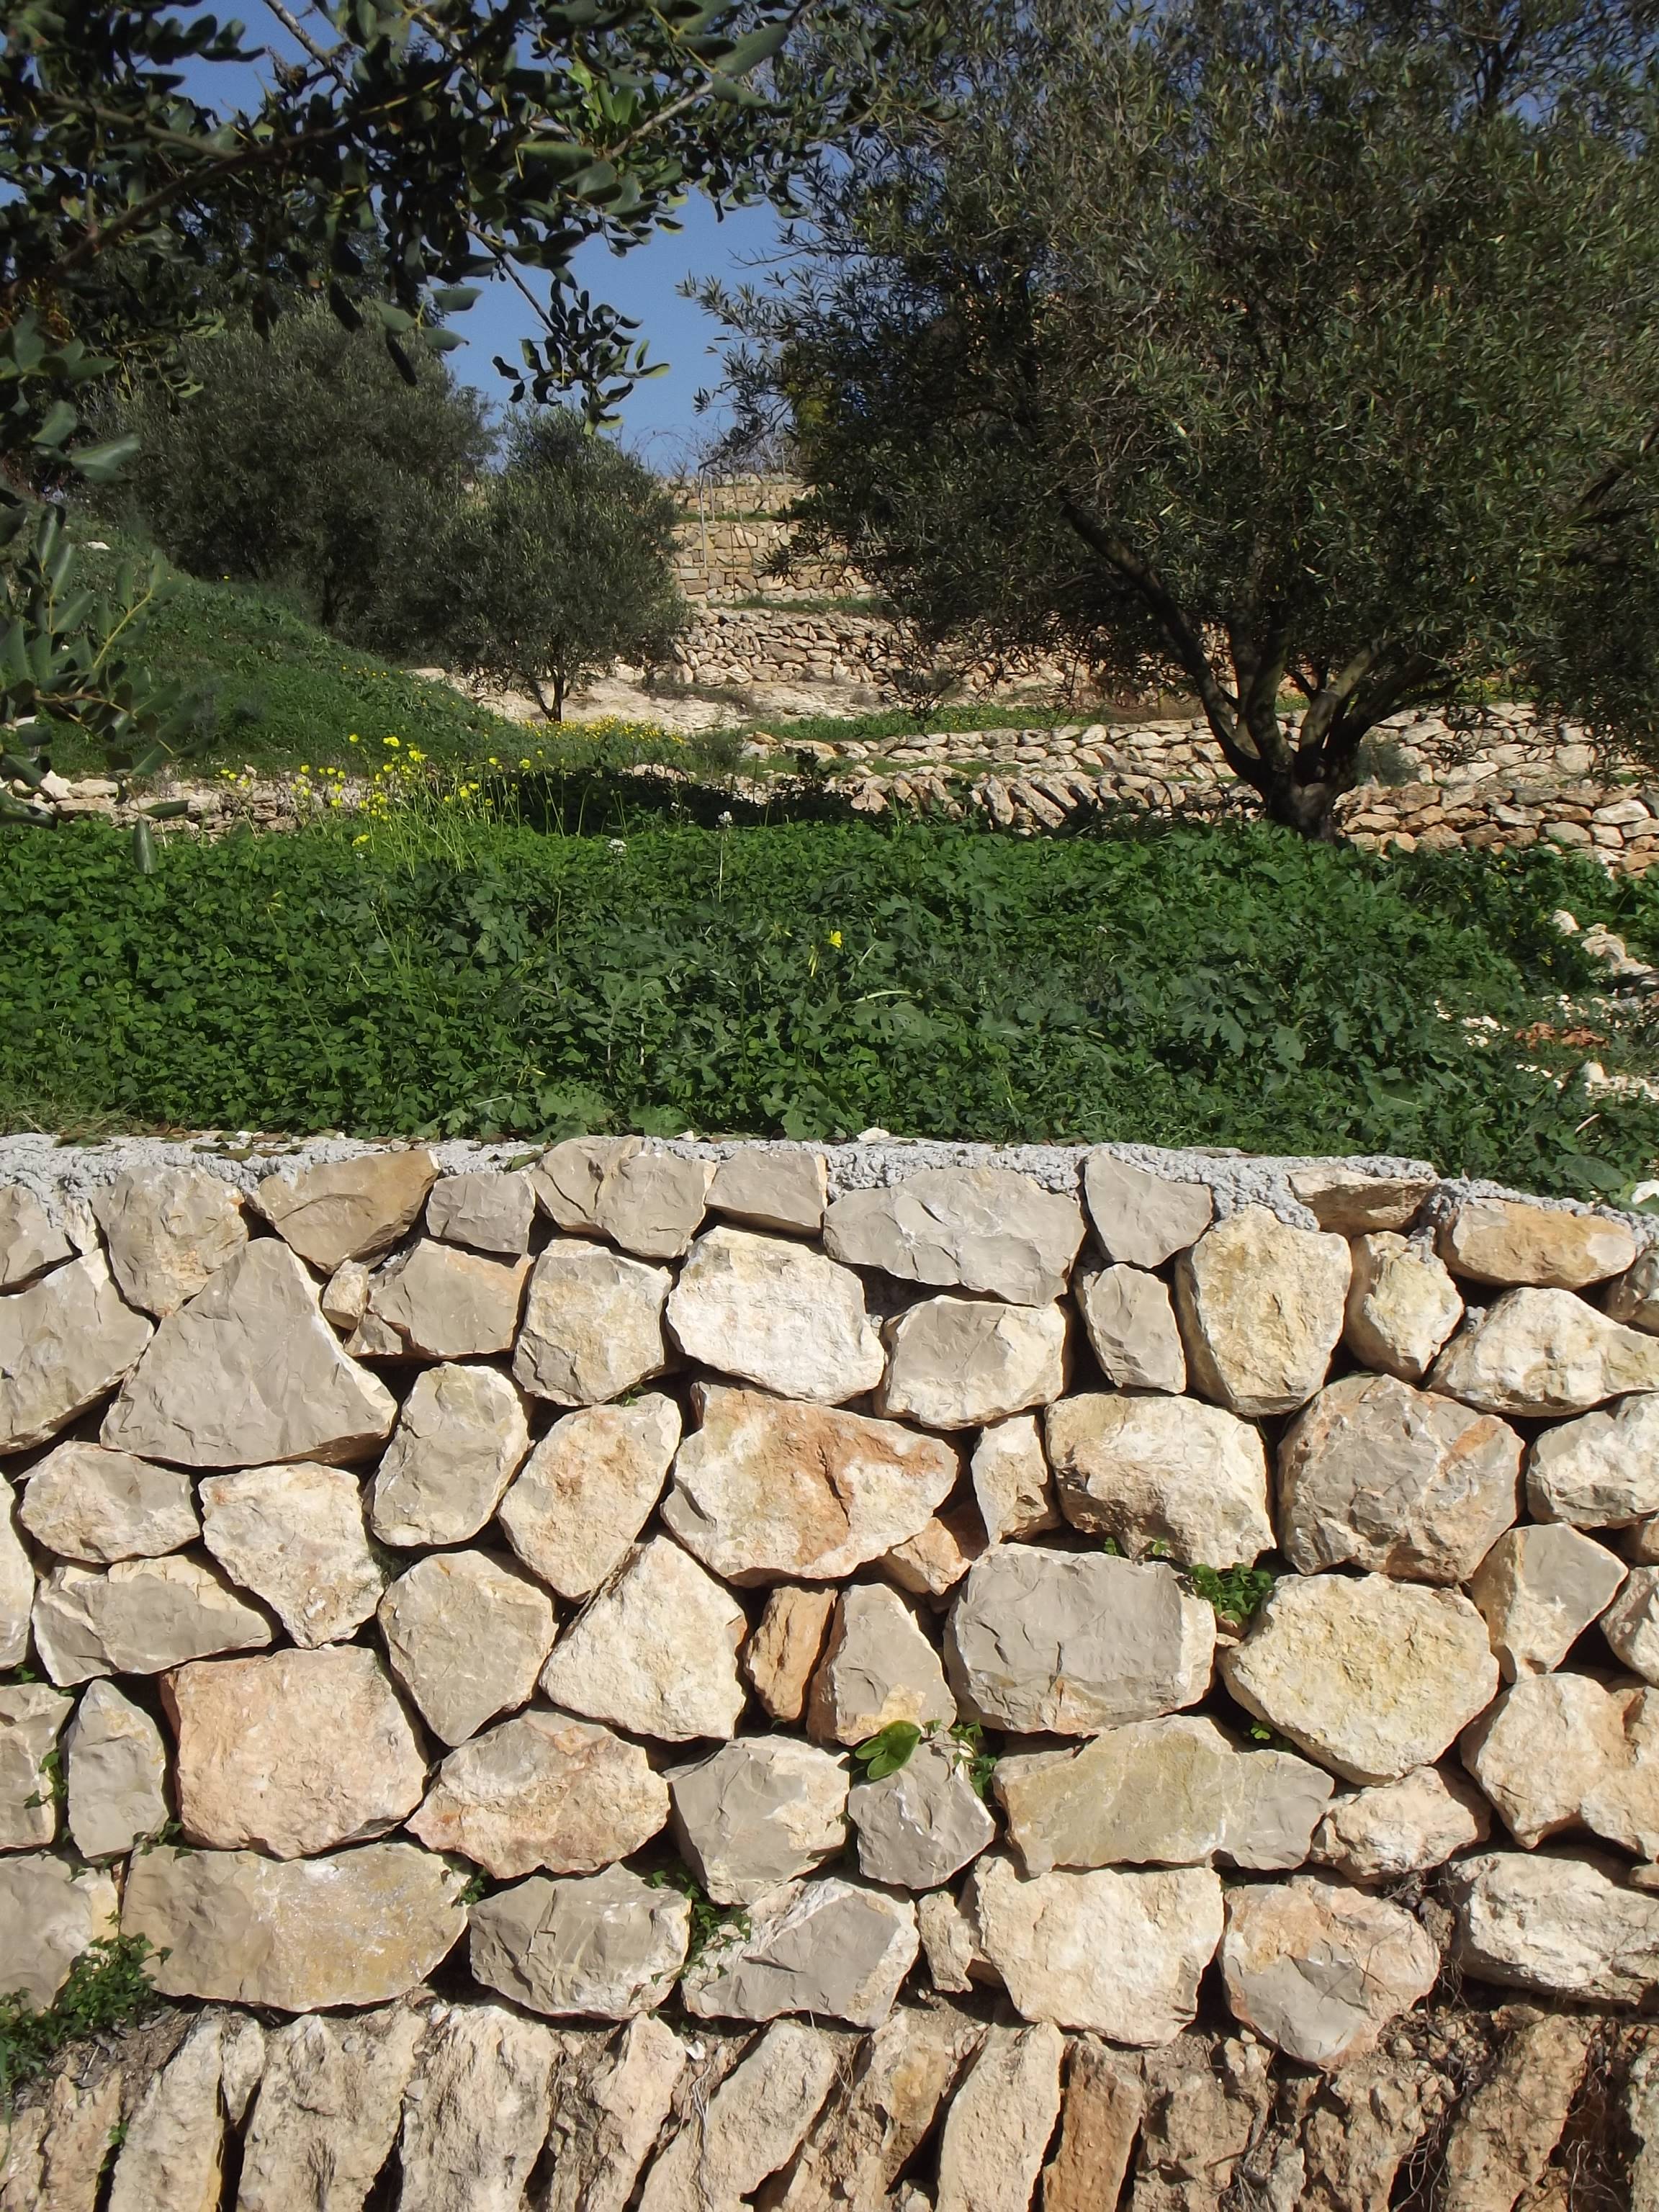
{"x": 108, "y": 1987}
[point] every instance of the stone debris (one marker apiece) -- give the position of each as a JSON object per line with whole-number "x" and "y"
{"x": 774, "y": 1188}
{"x": 1402, "y": 1306}
{"x": 542, "y": 1791}
{"x": 1162, "y": 1475}
{"x": 295, "y": 1536}
{"x": 30, "y": 1240}
{"x": 831, "y": 1949}
{"x": 1631, "y": 1623}
{"x": 1505, "y": 1241}
{"x": 1143, "y": 1220}
{"x": 97, "y": 1506}
{"x": 1375, "y": 1474}
{"x": 348, "y": 1209}
{"x": 918, "y": 1827}
{"x": 1539, "y": 1354}
{"x": 1601, "y": 1471}
{"x": 140, "y": 1617}
{"x": 65, "y": 1343}
{"x": 878, "y": 1668}
{"x": 1564, "y": 1751}
{"x": 587, "y": 1490}
{"x": 466, "y": 1634}
{"x": 1012, "y": 1486}
{"x": 115, "y": 1768}
{"x": 32, "y": 1717}
{"x": 1539, "y": 1589}
{"x": 1355, "y": 1202}
{"x": 607, "y": 1945}
{"x": 655, "y": 1652}
{"x": 1321, "y": 1970}
{"x": 1000, "y": 2122}
{"x": 1400, "y": 1828}
{"x": 475, "y": 2112}
{"x": 981, "y": 1229}
{"x": 1261, "y": 1308}
{"x": 768, "y": 1491}
{"x": 611, "y": 2100}
{"x": 652, "y": 1204}
{"x": 758, "y": 1812}
{"x": 485, "y": 1210}
{"x": 751, "y": 2126}
{"x": 169, "y": 1231}
{"x": 461, "y": 1436}
{"x": 1556, "y": 1924}
{"x": 326, "y": 2117}
{"x": 775, "y": 1313}
{"x": 781, "y": 1655}
{"x": 1132, "y": 1328}
{"x": 48, "y": 1916}
{"x": 441, "y": 1303}
{"x": 593, "y": 1326}
{"x": 959, "y": 1363}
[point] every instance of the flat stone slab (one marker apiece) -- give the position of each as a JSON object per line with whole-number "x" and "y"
{"x": 141, "y": 1617}
{"x": 592, "y": 1325}
{"x": 758, "y": 1812}
{"x": 544, "y": 1791}
{"x": 466, "y": 1634}
{"x": 656, "y": 1652}
{"x": 1160, "y": 1475}
{"x": 461, "y": 1436}
{"x": 607, "y": 1946}
{"x": 97, "y": 1506}
{"x": 777, "y": 1314}
{"x": 65, "y": 1342}
{"x": 350, "y": 1209}
{"x": 1321, "y": 1970}
{"x": 986, "y": 1229}
{"x": 587, "y": 1490}
{"x": 828, "y": 1948}
{"x": 959, "y": 1363}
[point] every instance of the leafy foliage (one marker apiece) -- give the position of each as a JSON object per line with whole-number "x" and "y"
{"x": 980, "y": 1764}
{"x": 108, "y": 1987}
{"x": 710, "y": 1922}
{"x": 1235, "y": 1593}
{"x": 887, "y": 1750}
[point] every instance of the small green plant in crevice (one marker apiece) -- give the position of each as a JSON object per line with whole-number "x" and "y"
{"x": 54, "y": 1782}
{"x": 1234, "y": 1592}
{"x": 967, "y": 1738}
{"x": 1261, "y": 1737}
{"x": 710, "y": 1921}
{"x": 887, "y": 1750}
{"x": 170, "y": 1833}
{"x": 108, "y": 1987}
{"x": 476, "y": 1888}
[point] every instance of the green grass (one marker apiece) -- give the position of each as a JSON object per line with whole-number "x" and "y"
{"x": 1176, "y": 985}
{"x": 108, "y": 1988}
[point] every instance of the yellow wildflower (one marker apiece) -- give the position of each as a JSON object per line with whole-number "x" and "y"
{"x": 834, "y": 939}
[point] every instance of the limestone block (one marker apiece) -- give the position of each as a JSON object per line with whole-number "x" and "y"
{"x": 475, "y": 2112}
{"x": 567, "y": 1179}
{"x": 1564, "y": 1751}
{"x": 1539, "y": 1589}
{"x": 1503, "y": 1240}
{"x": 345, "y": 1295}
{"x": 31, "y": 1718}
{"x": 950, "y": 1942}
{"x": 918, "y": 1827}
{"x": 75, "y": 2144}
{"x": 829, "y": 1948}
{"x": 348, "y": 1209}
{"x": 1320, "y": 1969}
{"x": 758, "y": 1812}
{"x": 877, "y": 1666}
{"x": 249, "y": 1374}
{"x": 16, "y": 1588}
{"x": 140, "y": 1617}
{"x": 1262, "y": 1309}
{"x": 1101, "y": 2118}
{"x": 295, "y": 1754}
{"x": 587, "y": 1490}
{"x": 984, "y": 1228}
{"x": 48, "y": 1916}
{"x": 466, "y": 1634}
{"x": 1402, "y": 1306}
{"x": 1505, "y": 2131}
{"x": 1542, "y": 1352}
{"x": 1631, "y": 1623}
{"x": 593, "y": 1326}
{"x": 172, "y": 2152}
{"x": 445, "y": 1303}
{"x": 99, "y": 1506}
{"x": 326, "y": 2116}
{"x": 1375, "y": 1474}
{"x": 117, "y": 1768}
{"x": 1354, "y": 1202}
{"x": 30, "y": 1240}
{"x": 1634, "y": 1298}
{"x": 773, "y": 1188}
{"x": 1402, "y": 1828}
{"x": 933, "y": 1561}
{"x": 607, "y": 1945}
{"x": 542, "y": 1791}
{"x": 752, "y": 2125}
{"x": 1558, "y": 1924}
{"x": 1057, "y": 1640}
{"x": 1143, "y": 1220}
{"x": 295, "y": 1536}
{"x": 461, "y": 1435}
{"x": 1601, "y": 1471}
{"x": 1370, "y": 1677}
{"x": 1132, "y": 1328}
{"x": 64, "y": 1341}
{"x": 1000, "y": 2122}
{"x": 768, "y": 1489}
{"x": 1011, "y": 1483}
{"x": 609, "y": 2107}
{"x": 168, "y": 1230}
{"x": 1164, "y": 1471}
{"x": 958, "y": 1363}
{"x": 1119, "y": 1952}
{"x": 872, "y": 2124}
{"x": 782, "y": 1653}
{"x": 776, "y": 1313}
{"x": 655, "y": 1652}
{"x": 653, "y": 1203}
{"x": 489, "y": 1210}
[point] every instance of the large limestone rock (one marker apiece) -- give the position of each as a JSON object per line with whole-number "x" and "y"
{"x": 1503, "y": 1240}
{"x": 752, "y": 2124}
{"x": 476, "y": 2113}
{"x": 140, "y": 1617}
{"x": 30, "y": 1240}
{"x": 173, "y": 2151}
{"x": 1143, "y": 1220}
{"x": 1539, "y": 1589}
{"x": 593, "y": 1326}
{"x": 65, "y": 1342}
{"x": 782, "y": 1653}
{"x": 608, "y": 1944}
{"x": 117, "y": 1767}
{"x": 767, "y": 1491}
{"x": 1162, "y": 1472}
{"x": 1012, "y": 1486}
{"x": 1402, "y": 1306}
{"x": 1557, "y": 1923}
{"x": 1042, "y": 1639}
{"x": 653, "y": 1203}
{"x": 1120, "y": 1952}
{"x": 295, "y": 1754}
{"x": 1376, "y": 1475}
{"x": 587, "y": 1490}
{"x": 1262, "y": 1309}
{"x": 237, "y": 1928}
{"x": 461, "y": 1435}
{"x": 31, "y": 1718}
{"x": 878, "y": 1668}
{"x": 169, "y": 1230}
{"x": 441, "y": 1303}
{"x": 567, "y": 1179}
{"x": 918, "y": 1827}
{"x": 985, "y": 1228}
{"x": 1564, "y": 1751}
{"x": 48, "y": 1916}
{"x": 1370, "y": 1677}
{"x": 1601, "y": 1471}
{"x": 958, "y": 1363}
{"x": 1173, "y": 1792}
{"x": 249, "y": 1374}
{"x": 609, "y": 2106}
{"x": 487, "y": 1210}
{"x": 1542, "y": 1352}
{"x": 326, "y": 2115}
{"x": 1000, "y": 2122}
{"x": 829, "y": 1948}
{"x": 466, "y": 1634}
{"x": 756, "y": 1813}
{"x": 656, "y": 1651}
{"x": 16, "y": 1588}
{"x": 1631, "y": 1623}
{"x": 1353, "y": 1200}
{"x": 99, "y": 1506}
{"x": 873, "y": 2124}
{"x": 1132, "y": 1328}
{"x": 295, "y": 1536}
{"x": 348, "y": 1209}
{"x": 771, "y": 1188}
{"x": 777, "y": 1314}
{"x": 1402, "y": 1828}
{"x": 1635, "y": 1296}
{"x": 1321, "y": 1970}
{"x": 542, "y": 1791}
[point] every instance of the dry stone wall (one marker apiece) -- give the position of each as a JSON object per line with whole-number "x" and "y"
{"x": 692, "y": 1675}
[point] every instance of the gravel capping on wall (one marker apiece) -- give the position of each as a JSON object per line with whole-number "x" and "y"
{"x": 678, "y": 1675}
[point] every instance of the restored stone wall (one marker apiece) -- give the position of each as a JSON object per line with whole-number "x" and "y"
{"x": 764, "y": 1676}
{"x": 731, "y": 530}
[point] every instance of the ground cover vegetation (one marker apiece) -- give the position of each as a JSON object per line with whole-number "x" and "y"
{"x": 1174, "y": 985}
{"x": 1247, "y": 346}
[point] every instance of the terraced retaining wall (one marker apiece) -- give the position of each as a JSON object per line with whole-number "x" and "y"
{"x": 690, "y": 1675}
